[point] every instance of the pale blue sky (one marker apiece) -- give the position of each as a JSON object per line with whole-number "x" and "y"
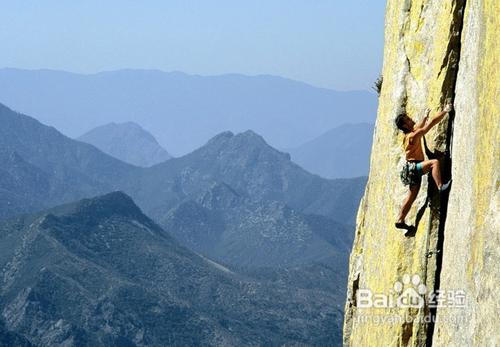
{"x": 330, "y": 43}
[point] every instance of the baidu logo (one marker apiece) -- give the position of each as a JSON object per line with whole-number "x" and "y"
{"x": 410, "y": 292}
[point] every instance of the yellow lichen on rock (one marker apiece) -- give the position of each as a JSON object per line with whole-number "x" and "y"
{"x": 472, "y": 238}
{"x": 421, "y": 58}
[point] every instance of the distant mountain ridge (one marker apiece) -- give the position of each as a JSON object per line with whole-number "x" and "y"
{"x": 128, "y": 142}
{"x": 252, "y": 168}
{"x": 339, "y": 153}
{"x": 73, "y": 170}
{"x": 236, "y": 199}
{"x": 42, "y": 168}
{"x": 183, "y": 111}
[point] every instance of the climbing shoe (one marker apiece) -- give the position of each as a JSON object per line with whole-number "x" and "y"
{"x": 411, "y": 231}
{"x": 402, "y": 225}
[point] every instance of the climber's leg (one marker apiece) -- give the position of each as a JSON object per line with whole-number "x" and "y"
{"x": 435, "y": 169}
{"x": 433, "y": 166}
{"x": 410, "y": 198}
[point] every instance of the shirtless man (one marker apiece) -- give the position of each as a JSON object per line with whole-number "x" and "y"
{"x": 416, "y": 165}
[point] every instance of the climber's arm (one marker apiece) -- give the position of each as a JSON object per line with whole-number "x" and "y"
{"x": 422, "y": 122}
{"x": 430, "y": 123}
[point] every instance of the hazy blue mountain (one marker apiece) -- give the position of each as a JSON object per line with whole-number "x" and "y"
{"x": 183, "y": 111}
{"x": 244, "y": 161}
{"x": 23, "y": 187}
{"x": 283, "y": 232}
{"x": 127, "y": 142}
{"x": 40, "y": 167}
{"x": 100, "y": 273}
{"x": 53, "y": 152}
{"x": 236, "y": 199}
{"x": 253, "y": 169}
{"x": 235, "y": 230}
{"x": 339, "y": 153}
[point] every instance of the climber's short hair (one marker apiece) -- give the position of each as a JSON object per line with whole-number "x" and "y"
{"x": 400, "y": 122}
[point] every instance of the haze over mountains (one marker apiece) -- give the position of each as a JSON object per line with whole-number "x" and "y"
{"x": 184, "y": 111}
{"x": 128, "y": 142}
{"x": 236, "y": 199}
{"x": 234, "y": 230}
{"x": 42, "y": 167}
{"x": 340, "y": 152}
{"x": 71, "y": 169}
{"x": 94, "y": 272}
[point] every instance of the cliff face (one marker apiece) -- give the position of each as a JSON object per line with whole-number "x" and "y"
{"x": 472, "y": 240}
{"x": 435, "y": 52}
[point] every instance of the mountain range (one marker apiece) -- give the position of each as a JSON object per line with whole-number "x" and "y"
{"x": 237, "y": 231}
{"x": 98, "y": 272}
{"x": 42, "y": 168}
{"x": 253, "y": 169}
{"x": 275, "y": 237}
{"x": 236, "y": 199}
{"x": 184, "y": 111}
{"x": 65, "y": 170}
{"x": 128, "y": 142}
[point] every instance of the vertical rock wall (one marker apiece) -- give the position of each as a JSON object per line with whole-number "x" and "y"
{"x": 471, "y": 253}
{"x": 422, "y": 57}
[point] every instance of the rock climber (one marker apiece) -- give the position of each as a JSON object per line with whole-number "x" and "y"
{"x": 416, "y": 165}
